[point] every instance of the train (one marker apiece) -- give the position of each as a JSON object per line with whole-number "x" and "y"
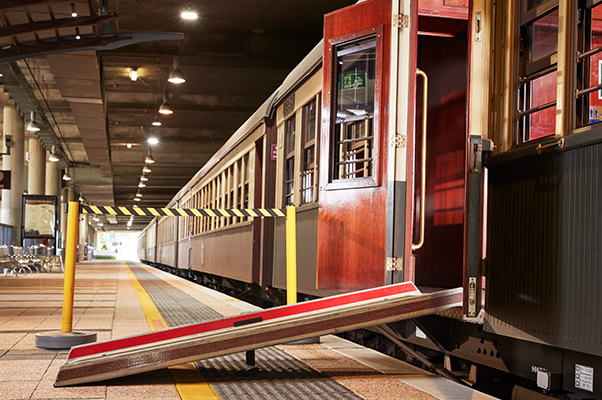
{"x": 450, "y": 143}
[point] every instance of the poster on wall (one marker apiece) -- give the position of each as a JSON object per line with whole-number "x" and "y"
{"x": 39, "y": 216}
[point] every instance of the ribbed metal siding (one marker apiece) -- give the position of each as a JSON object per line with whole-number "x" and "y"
{"x": 545, "y": 241}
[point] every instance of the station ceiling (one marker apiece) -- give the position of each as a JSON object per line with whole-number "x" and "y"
{"x": 75, "y": 71}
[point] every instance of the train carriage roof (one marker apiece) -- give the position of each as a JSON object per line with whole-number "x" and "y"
{"x": 305, "y": 68}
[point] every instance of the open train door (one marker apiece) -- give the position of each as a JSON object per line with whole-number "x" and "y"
{"x": 354, "y": 212}
{"x": 444, "y": 195}
{"x": 383, "y": 218}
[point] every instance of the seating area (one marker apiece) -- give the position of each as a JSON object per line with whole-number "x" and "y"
{"x": 14, "y": 261}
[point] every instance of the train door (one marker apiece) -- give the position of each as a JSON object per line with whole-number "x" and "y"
{"x": 436, "y": 203}
{"x": 353, "y": 192}
{"x": 378, "y": 223}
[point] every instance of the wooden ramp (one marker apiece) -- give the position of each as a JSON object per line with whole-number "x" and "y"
{"x": 160, "y": 349}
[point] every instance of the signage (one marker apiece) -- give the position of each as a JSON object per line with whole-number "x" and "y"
{"x": 352, "y": 81}
{"x": 289, "y": 105}
{"x": 274, "y": 152}
{"x": 584, "y": 377}
{"x": 39, "y": 217}
{"x": 4, "y": 179}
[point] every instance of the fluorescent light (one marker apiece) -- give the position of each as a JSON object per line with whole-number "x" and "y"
{"x": 153, "y": 140}
{"x": 134, "y": 74}
{"x": 189, "y": 14}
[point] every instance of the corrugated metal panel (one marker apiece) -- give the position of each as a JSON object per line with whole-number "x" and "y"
{"x": 545, "y": 241}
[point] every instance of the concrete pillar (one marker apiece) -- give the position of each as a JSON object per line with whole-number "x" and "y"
{"x": 52, "y": 181}
{"x": 37, "y": 167}
{"x": 14, "y": 126}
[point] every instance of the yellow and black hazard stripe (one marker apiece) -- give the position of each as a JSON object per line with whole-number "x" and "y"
{"x": 182, "y": 212}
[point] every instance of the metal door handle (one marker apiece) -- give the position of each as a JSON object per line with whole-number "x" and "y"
{"x": 416, "y": 246}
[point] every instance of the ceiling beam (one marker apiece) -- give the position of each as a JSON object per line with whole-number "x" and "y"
{"x": 57, "y": 46}
{"x": 50, "y": 24}
{"x": 8, "y": 4}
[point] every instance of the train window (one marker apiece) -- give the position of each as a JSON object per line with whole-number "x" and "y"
{"x": 538, "y": 77}
{"x": 531, "y": 4}
{"x": 354, "y": 104}
{"x": 589, "y": 64}
{"x": 289, "y": 163}
{"x": 543, "y": 37}
{"x": 308, "y": 135}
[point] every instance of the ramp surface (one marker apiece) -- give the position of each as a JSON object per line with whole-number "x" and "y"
{"x": 159, "y": 349}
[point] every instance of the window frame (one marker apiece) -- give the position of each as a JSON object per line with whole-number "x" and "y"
{"x": 305, "y": 145}
{"x": 328, "y": 137}
{"x": 529, "y": 71}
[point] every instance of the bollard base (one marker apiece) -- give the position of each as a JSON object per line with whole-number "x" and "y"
{"x": 63, "y": 340}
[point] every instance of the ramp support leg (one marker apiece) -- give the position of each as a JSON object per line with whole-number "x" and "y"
{"x": 251, "y": 358}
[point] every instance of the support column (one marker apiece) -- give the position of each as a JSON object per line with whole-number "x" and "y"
{"x": 52, "y": 181}
{"x": 37, "y": 167}
{"x": 11, "y": 199}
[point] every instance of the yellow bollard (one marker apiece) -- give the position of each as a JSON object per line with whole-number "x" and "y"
{"x": 70, "y": 256}
{"x": 66, "y": 338}
{"x": 291, "y": 255}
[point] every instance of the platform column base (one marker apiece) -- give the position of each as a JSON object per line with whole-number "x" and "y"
{"x": 63, "y": 340}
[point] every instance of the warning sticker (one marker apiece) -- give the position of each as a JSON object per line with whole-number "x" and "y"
{"x": 584, "y": 377}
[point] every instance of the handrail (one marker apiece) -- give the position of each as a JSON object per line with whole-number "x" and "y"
{"x": 416, "y": 246}
{"x": 541, "y": 148}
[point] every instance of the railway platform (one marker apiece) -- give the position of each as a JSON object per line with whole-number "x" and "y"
{"x": 115, "y": 299}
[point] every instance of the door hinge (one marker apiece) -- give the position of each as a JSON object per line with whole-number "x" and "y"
{"x": 398, "y": 141}
{"x": 394, "y": 264}
{"x": 400, "y": 21}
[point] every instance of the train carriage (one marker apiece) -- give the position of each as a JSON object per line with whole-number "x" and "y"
{"x": 448, "y": 143}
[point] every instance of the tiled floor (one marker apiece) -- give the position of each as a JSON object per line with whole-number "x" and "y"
{"x": 106, "y": 303}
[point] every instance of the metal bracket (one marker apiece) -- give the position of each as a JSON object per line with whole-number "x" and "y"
{"x": 400, "y": 21}
{"x": 394, "y": 264}
{"x": 398, "y": 141}
{"x": 478, "y": 146}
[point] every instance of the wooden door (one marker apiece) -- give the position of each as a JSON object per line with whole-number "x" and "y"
{"x": 352, "y": 221}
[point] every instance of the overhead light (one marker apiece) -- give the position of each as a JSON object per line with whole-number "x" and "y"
{"x": 33, "y": 126}
{"x": 149, "y": 158}
{"x": 165, "y": 108}
{"x": 100, "y": 224}
{"x": 129, "y": 145}
{"x": 134, "y": 74}
{"x": 73, "y": 12}
{"x": 189, "y": 13}
{"x": 66, "y": 176}
{"x": 138, "y": 194}
{"x": 136, "y": 198}
{"x": 141, "y": 184}
{"x": 53, "y": 157}
{"x": 143, "y": 178}
{"x": 77, "y": 35}
{"x": 95, "y": 218}
{"x": 146, "y": 169}
{"x": 176, "y": 75}
{"x": 156, "y": 122}
{"x": 153, "y": 140}
{"x": 81, "y": 198}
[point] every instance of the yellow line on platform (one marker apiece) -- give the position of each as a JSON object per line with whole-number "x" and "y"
{"x": 189, "y": 382}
